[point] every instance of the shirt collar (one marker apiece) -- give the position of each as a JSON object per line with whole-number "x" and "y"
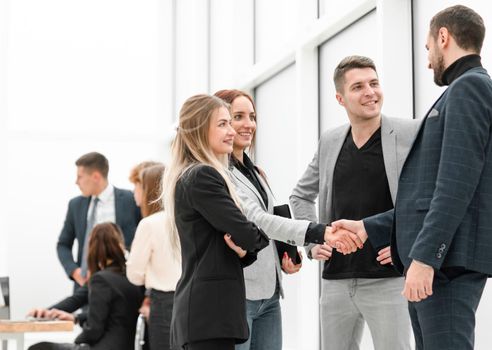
{"x": 460, "y": 66}
{"x": 106, "y": 194}
{"x": 247, "y": 163}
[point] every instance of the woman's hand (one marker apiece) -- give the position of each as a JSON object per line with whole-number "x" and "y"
{"x": 61, "y": 315}
{"x": 288, "y": 265}
{"x": 145, "y": 308}
{"x": 238, "y": 250}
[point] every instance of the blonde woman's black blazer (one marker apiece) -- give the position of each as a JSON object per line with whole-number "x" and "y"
{"x": 210, "y": 296}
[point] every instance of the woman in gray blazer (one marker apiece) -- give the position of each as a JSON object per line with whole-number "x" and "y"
{"x": 262, "y": 278}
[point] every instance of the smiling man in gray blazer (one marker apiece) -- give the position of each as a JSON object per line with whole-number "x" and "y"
{"x": 442, "y": 222}
{"x": 355, "y": 173}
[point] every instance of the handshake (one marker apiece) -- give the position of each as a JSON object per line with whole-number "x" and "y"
{"x": 346, "y": 236}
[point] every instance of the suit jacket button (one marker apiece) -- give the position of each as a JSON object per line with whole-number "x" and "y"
{"x": 288, "y": 241}
{"x": 293, "y": 242}
{"x": 443, "y": 246}
{"x": 439, "y": 255}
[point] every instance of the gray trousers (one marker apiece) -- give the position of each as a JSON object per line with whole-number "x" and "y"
{"x": 345, "y": 305}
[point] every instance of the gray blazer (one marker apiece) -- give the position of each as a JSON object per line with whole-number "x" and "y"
{"x": 397, "y": 136}
{"x": 260, "y": 276}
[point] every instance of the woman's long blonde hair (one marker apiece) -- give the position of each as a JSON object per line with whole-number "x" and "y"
{"x": 189, "y": 148}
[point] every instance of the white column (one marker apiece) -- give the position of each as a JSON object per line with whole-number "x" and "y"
{"x": 307, "y": 112}
{"x": 4, "y": 22}
{"x": 395, "y": 57}
{"x": 192, "y": 49}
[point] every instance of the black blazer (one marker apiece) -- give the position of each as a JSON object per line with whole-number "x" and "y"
{"x": 443, "y": 211}
{"x": 209, "y": 301}
{"x": 127, "y": 217}
{"x": 113, "y": 312}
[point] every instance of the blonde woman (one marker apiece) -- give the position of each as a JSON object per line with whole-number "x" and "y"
{"x": 152, "y": 261}
{"x": 201, "y": 209}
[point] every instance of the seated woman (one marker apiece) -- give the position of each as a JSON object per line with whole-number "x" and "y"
{"x": 113, "y": 300}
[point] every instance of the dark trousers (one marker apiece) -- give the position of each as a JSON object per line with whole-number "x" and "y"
{"x": 161, "y": 310}
{"x": 446, "y": 320}
{"x": 211, "y": 344}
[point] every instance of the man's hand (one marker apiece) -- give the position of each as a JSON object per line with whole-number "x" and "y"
{"x": 238, "y": 250}
{"x": 418, "y": 281}
{"x": 356, "y": 227}
{"x": 288, "y": 265}
{"x": 345, "y": 241}
{"x": 321, "y": 252}
{"x": 384, "y": 256}
{"x": 77, "y": 276}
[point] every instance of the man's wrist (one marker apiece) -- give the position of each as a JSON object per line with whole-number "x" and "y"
{"x": 420, "y": 263}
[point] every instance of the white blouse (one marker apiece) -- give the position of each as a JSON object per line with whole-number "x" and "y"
{"x": 152, "y": 261}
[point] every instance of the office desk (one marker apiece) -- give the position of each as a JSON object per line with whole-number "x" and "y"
{"x": 16, "y": 329}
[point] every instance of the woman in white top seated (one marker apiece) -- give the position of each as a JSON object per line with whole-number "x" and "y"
{"x": 152, "y": 262}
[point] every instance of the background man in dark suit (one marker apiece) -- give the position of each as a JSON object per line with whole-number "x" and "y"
{"x": 442, "y": 221}
{"x": 99, "y": 202}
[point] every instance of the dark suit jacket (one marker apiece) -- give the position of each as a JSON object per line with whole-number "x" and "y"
{"x": 443, "y": 211}
{"x": 209, "y": 301}
{"x": 127, "y": 217}
{"x": 113, "y": 312}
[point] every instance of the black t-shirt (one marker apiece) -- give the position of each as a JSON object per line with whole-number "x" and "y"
{"x": 360, "y": 189}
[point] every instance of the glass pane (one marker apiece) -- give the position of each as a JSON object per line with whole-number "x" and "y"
{"x": 231, "y": 46}
{"x": 275, "y": 101}
{"x": 331, "y": 53}
{"x": 332, "y": 8}
{"x": 278, "y": 22}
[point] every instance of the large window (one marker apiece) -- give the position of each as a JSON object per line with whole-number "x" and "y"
{"x": 278, "y": 23}
{"x": 331, "y": 53}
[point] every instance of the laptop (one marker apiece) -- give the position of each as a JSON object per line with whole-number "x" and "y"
{"x": 4, "y": 298}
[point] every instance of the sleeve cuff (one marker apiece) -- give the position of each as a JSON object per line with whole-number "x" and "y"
{"x": 315, "y": 234}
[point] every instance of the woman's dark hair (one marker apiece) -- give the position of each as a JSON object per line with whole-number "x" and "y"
{"x": 106, "y": 247}
{"x": 229, "y": 96}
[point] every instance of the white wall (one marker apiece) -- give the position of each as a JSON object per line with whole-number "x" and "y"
{"x": 81, "y": 76}
{"x": 4, "y": 5}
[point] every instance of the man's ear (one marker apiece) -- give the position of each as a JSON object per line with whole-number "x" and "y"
{"x": 96, "y": 175}
{"x": 339, "y": 98}
{"x": 443, "y": 37}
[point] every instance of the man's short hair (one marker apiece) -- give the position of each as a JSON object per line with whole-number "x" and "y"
{"x": 465, "y": 26}
{"x": 94, "y": 161}
{"x": 349, "y": 63}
